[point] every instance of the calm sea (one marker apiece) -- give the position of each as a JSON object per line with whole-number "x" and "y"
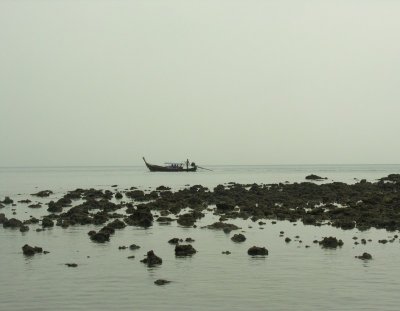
{"x": 291, "y": 277}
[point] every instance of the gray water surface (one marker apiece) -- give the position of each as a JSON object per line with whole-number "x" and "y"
{"x": 291, "y": 277}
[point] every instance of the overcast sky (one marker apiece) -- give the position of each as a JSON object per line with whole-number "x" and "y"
{"x": 95, "y": 82}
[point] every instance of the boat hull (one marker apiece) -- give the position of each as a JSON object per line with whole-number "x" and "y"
{"x": 159, "y": 168}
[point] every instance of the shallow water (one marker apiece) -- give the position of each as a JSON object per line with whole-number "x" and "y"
{"x": 291, "y": 277}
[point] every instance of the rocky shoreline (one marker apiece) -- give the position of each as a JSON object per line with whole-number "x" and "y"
{"x": 362, "y": 205}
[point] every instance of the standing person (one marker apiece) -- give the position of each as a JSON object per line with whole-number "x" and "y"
{"x": 187, "y": 164}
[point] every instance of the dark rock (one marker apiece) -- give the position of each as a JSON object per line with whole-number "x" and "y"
{"x": 163, "y": 188}
{"x": 42, "y": 194}
{"x": 253, "y": 251}
{"x": 24, "y": 228}
{"x": 152, "y": 259}
{"x": 37, "y": 205}
{"x": 164, "y": 219}
{"x": 330, "y": 242}
{"x": 7, "y": 200}
{"x": 30, "y": 251}
{"x": 364, "y": 256}
{"x": 184, "y": 250}
{"x": 119, "y": 196}
{"x": 161, "y": 282}
{"x": 226, "y": 252}
{"x": 225, "y": 206}
{"x": 117, "y": 224}
{"x": 238, "y": 238}
{"x": 71, "y": 265}
{"x": 175, "y": 241}
{"x": 222, "y": 226}
{"x": 189, "y": 240}
{"x": 315, "y": 177}
{"x": 12, "y": 223}
{"x": 122, "y": 247}
{"x": 141, "y": 216}
{"x": 27, "y": 201}
{"x": 1, "y": 205}
{"x": 134, "y": 246}
{"x": 47, "y": 222}
{"x": 100, "y": 237}
{"x": 131, "y": 257}
{"x": 383, "y": 241}
{"x": 2, "y": 218}
{"x": 287, "y": 240}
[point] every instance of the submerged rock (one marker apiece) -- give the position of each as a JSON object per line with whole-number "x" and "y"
{"x": 255, "y": 250}
{"x": 365, "y": 256}
{"x": 161, "y": 282}
{"x": 43, "y": 193}
{"x": 222, "y": 226}
{"x": 152, "y": 259}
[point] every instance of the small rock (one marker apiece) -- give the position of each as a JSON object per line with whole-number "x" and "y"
{"x": 152, "y": 259}
{"x": 365, "y": 256}
{"x": 133, "y": 247}
{"x": 253, "y": 251}
{"x": 161, "y": 282}
{"x": 226, "y": 252}
{"x": 238, "y": 238}
{"x": 184, "y": 250}
{"x": 71, "y": 265}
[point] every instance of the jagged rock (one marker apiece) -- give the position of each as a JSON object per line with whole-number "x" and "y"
{"x": 238, "y": 238}
{"x": 119, "y": 196}
{"x": 253, "y": 251}
{"x": 189, "y": 240}
{"x": 152, "y": 259}
{"x": 330, "y": 242}
{"x": 42, "y": 194}
{"x": 184, "y": 250}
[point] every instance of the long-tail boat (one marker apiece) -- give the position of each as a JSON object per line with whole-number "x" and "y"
{"x": 172, "y": 167}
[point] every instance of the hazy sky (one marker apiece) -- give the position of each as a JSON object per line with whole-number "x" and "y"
{"x": 95, "y": 82}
